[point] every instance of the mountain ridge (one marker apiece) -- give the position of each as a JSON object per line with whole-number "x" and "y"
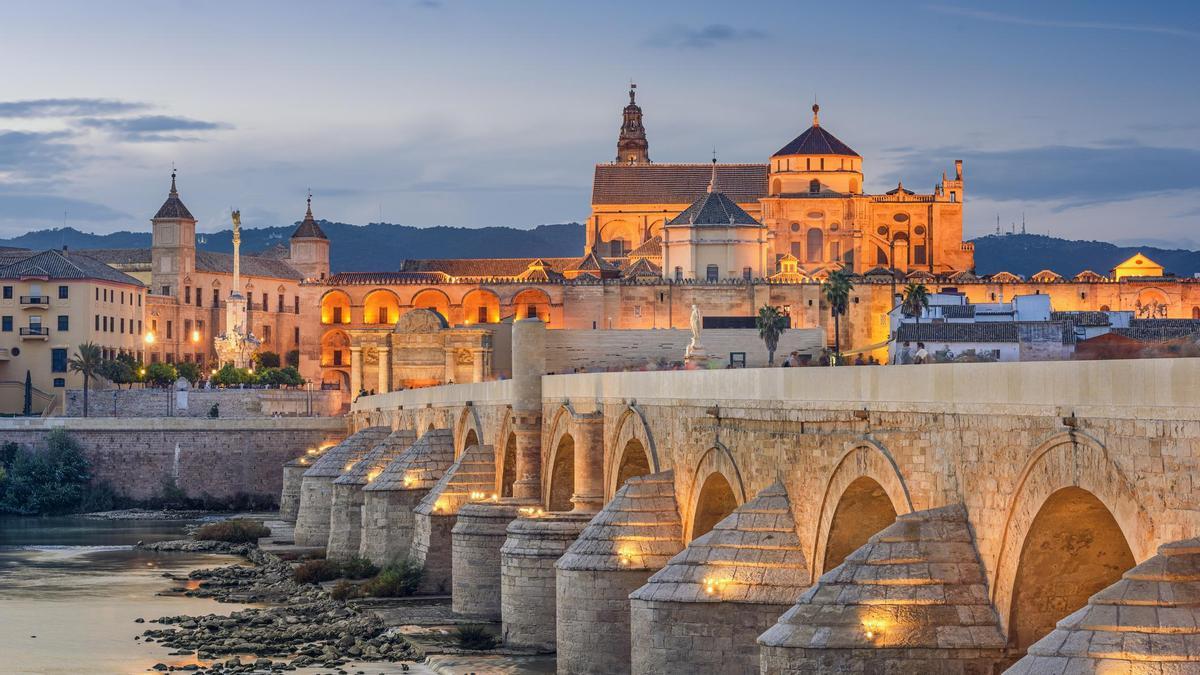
{"x": 383, "y": 246}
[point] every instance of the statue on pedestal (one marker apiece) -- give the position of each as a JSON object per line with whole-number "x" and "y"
{"x": 237, "y": 344}
{"x": 695, "y": 352}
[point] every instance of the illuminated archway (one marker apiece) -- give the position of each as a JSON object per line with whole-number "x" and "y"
{"x": 335, "y": 307}
{"x": 382, "y": 307}
{"x": 562, "y": 475}
{"x": 481, "y": 306}
{"x": 863, "y": 509}
{"x": 432, "y": 298}
{"x": 716, "y": 501}
{"x": 532, "y": 302}
{"x": 335, "y": 348}
{"x": 631, "y": 434}
{"x": 1074, "y": 548}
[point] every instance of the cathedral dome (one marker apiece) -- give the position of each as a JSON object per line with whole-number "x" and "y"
{"x": 816, "y": 141}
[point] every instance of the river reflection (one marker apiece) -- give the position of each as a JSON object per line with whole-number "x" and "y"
{"x": 77, "y": 585}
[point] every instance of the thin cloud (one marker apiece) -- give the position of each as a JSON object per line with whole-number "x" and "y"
{"x": 34, "y": 208}
{"x": 26, "y": 155}
{"x": 705, "y": 37}
{"x": 152, "y": 128}
{"x": 67, "y": 107}
{"x": 996, "y": 17}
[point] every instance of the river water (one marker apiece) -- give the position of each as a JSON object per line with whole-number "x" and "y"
{"x": 77, "y": 585}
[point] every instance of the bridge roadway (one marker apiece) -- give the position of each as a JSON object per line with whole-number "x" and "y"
{"x": 938, "y": 518}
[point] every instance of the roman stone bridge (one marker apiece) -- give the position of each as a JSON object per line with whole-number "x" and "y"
{"x": 952, "y": 519}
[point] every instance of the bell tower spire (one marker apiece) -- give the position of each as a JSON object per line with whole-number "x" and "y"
{"x": 632, "y": 146}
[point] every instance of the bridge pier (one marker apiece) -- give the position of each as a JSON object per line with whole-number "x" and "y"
{"x": 632, "y": 537}
{"x": 435, "y": 517}
{"x": 478, "y": 535}
{"x": 1146, "y": 622}
{"x": 388, "y": 502}
{"x": 527, "y": 576}
{"x": 704, "y": 611}
{"x": 289, "y": 496}
{"x": 316, "y": 488}
{"x": 345, "y": 510}
{"x": 913, "y": 599}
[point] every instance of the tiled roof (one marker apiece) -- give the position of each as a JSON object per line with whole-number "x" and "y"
{"x": 988, "y": 331}
{"x": 676, "y": 183}
{"x": 374, "y": 462}
{"x": 343, "y": 456}
{"x": 252, "y": 265}
{"x": 816, "y": 141}
{"x": 958, "y": 311}
{"x": 592, "y": 262}
{"x": 120, "y": 256}
{"x": 308, "y": 228}
{"x": 642, "y": 267}
{"x": 173, "y": 208}
{"x": 1160, "y": 330}
{"x": 713, "y": 209}
{"x": 276, "y": 251}
{"x": 481, "y": 267}
{"x": 384, "y": 278}
{"x": 1087, "y": 319}
{"x": 651, "y": 248}
{"x": 57, "y": 264}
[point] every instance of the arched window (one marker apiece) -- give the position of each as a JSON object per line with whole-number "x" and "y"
{"x": 1196, "y": 312}
{"x": 776, "y": 186}
{"x": 815, "y": 244}
{"x": 814, "y": 185}
{"x": 854, "y": 186}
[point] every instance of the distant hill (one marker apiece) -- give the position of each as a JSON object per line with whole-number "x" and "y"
{"x": 374, "y": 247}
{"x": 382, "y": 246}
{"x": 1027, "y": 254}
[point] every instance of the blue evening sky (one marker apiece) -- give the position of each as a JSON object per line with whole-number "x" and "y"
{"x": 1084, "y": 116}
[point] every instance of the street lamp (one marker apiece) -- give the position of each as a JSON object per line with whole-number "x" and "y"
{"x": 195, "y": 336}
{"x": 149, "y": 338}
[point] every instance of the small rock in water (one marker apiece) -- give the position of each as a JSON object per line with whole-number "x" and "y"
{"x": 139, "y": 620}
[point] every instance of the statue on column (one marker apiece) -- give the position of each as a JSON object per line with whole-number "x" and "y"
{"x": 237, "y": 344}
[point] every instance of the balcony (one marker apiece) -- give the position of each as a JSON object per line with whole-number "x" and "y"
{"x": 35, "y": 301}
{"x": 35, "y": 333}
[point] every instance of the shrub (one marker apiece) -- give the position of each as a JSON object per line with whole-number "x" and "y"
{"x": 266, "y": 360}
{"x": 161, "y": 374}
{"x": 316, "y": 571}
{"x": 344, "y": 590}
{"x": 189, "y": 371}
{"x": 46, "y": 482}
{"x": 397, "y": 580}
{"x": 234, "y": 531}
{"x": 229, "y": 376}
{"x": 359, "y": 568}
{"x": 474, "y": 637}
{"x": 292, "y": 358}
{"x": 101, "y": 497}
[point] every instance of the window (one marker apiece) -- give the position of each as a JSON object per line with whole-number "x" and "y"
{"x": 8, "y": 292}
{"x": 678, "y": 273}
{"x": 711, "y": 272}
{"x": 97, "y": 327}
{"x": 187, "y": 294}
{"x": 531, "y": 311}
{"x": 58, "y": 360}
{"x": 123, "y": 325}
{"x": 483, "y": 317}
{"x": 6, "y": 324}
{"x": 122, "y": 297}
{"x": 199, "y": 297}
{"x": 337, "y": 357}
{"x": 1083, "y": 296}
{"x": 154, "y": 357}
{"x": 166, "y": 290}
{"x": 64, "y": 322}
{"x": 746, "y": 273}
{"x": 280, "y": 303}
{"x": 953, "y": 196}
{"x": 814, "y": 185}
{"x": 266, "y": 333}
{"x": 337, "y": 314}
{"x": 60, "y": 382}
{"x": 296, "y": 336}
{"x": 62, "y": 292}
{"x": 187, "y": 329}
{"x": 383, "y": 312}
{"x": 139, "y": 297}
{"x": 170, "y": 331}
{"x": 918, "y": 254}
{"x": 835, "y": 250}
{"x": 216, "y": 297}
{"x": 296, "y": 305}
{"x": 266, "y": 308}
{"x": 815, "y": 243}
{"x": 139, "y": 328}
{"x": 200, "y": 328}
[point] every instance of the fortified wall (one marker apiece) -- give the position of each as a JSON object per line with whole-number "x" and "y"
{"x": 945, "y": 516}
{"x": 231, "y": 403}
{"x": 219, "y": 458}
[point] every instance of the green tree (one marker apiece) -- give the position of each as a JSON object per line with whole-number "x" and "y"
{"x": 266, "y": 360}
{"x": 85, "y": 362}
{"x": 52, "y": 481}
{"x": 229, "y": 376}
{"x": 116, "y": 371}
{"x": 161, "y": 374}
{"x": 189, "y": 371}
{"x": 292, "y": 358}
{"x": 771, "y": 323}
{"x": 837, "y": 293}
{"x": 915, "y": 301}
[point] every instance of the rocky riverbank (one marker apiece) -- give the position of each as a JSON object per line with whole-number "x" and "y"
{"x": 302, "y": 627}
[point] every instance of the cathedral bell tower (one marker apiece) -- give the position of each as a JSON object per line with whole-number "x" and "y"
{"x": 173, "y": 247}
{"x": 632, "y": 146}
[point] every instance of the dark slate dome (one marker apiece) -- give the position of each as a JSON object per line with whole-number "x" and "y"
{"x": 816, "y": 141}
{"x": 173, "y": 208}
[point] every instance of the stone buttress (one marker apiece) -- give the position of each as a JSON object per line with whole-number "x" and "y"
{"x": 478, "y": 535}
{"x": 316, "y": 488}
{"x": 527, "y": 576}
{"x": 345, "y": 510}
{"x": 1148, "y": 622}
{"x": 389, "y": 500}
{"x": 704, "y": 611}
{"x": 913, "y": 599}
{"x": 433, "y": 519}
{"x": 635, "y": 534}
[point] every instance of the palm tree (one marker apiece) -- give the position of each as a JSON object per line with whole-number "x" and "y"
{"x": 916, "y": 301}
{"x": 771, "y": 323}
{"x": 837, "y": 293}
{"x": 86, "y": 361}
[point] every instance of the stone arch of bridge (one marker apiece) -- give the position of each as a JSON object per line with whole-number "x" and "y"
{"x": 558, "y": 461}
{"x": 709, "y": 498}
{"x": 468, "y": 430}
{"x": 631, "y": 452}
{"x": 866, "y": 460}
{"x": 1066, "y": 460}
{"x": 506, "y": 454}
{"x": 428, "y": 419}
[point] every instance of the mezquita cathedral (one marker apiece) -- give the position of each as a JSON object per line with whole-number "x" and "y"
{"x": 660, "y": 239}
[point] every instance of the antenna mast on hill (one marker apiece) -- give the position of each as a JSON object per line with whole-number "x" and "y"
{"x": 1022, "y": 222}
